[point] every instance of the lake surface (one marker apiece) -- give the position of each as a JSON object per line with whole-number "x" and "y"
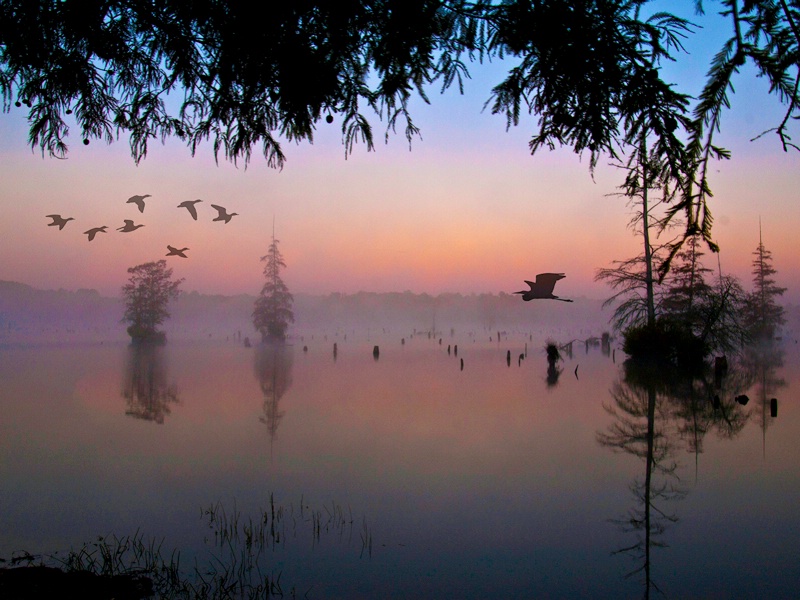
{"x": 407, "y": 476}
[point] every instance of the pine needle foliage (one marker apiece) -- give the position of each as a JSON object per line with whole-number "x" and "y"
{"x": 765, "y": 315}
{"x": 273, "y": 307}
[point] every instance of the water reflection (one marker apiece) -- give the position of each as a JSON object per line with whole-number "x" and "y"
{"x": 641, "y": 412}
{"x": 762, "y": 362}
{"x": 553, "y": 373}
{"x": 553, "y": 358}
{"x": 707, "y": 403}
{"x": 657, "y": 411}
{"x": 145, "y": 387}
{"x": 273, "y": 370}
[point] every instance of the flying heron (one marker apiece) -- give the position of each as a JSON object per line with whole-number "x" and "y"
{"x": 138, "y": 201}
{"x": 542, "y": 288}
{"x": 224, "y": 215}
{"x": 190, "y": 206}
{"x": 94, "y": 231}
{"x": 176, "y": 251}
{"x": 129, "y": 226}
{"x": 59, "y": 221}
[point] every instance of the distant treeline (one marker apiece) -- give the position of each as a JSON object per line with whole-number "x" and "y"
{"x": 30, "y": 312}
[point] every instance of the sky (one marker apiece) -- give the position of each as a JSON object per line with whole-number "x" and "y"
{"x": 466, "y": 210}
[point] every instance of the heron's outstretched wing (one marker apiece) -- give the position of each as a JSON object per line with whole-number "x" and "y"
{"x": 547, "y": 281}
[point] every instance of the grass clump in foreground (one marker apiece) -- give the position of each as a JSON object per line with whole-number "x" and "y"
{"x": 133, "y": 568}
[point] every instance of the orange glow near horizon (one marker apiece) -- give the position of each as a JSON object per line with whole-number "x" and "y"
{"x": 475, "y": 218}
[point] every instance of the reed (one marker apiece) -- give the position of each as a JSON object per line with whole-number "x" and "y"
{"x": 238, "y": 562}
{"x": 366, "y": 540}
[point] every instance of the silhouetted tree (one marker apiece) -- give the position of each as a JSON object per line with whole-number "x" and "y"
{"x": 765, "y": 315}
{"x": 722, "y": 315}
{"x": 687, "y": 287}
{"x": 588, "y": 71}
{"x": 147, "y": 294}
{"x": 273, "y": 308}
{"x": 634, "y": 281}
{"x": 712, "y": 313}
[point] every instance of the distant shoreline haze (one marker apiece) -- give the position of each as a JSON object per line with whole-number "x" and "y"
{"x": 32, "y": 314}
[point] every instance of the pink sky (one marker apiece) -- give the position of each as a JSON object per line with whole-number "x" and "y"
{"x": 466, "y": 210}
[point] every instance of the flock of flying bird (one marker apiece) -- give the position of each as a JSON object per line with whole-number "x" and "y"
{"x": 541, "y": 289}
{"x": 190, "y": 205}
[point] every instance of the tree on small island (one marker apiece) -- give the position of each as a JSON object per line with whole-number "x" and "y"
{"x": 273, "y": 307}
{"x": 147, "y": 293}
{"x": 764, "y": 315}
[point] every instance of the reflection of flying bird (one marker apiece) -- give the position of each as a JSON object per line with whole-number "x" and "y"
{"x": 59, "y": 221}
{"x": 138, "y": 201}
{"x": 176, "y": 251}
{"x": 189, "y": 205}
{"x": 129, "y": 226}
{"x": 542, "y": 288}
{"x": 223, "y": 214}
{"x": 94, "y": 231}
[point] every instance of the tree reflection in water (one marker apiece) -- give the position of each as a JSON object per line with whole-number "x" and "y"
{"x": 657, "y": 411}
{"x": 641, "y": 421}
{"x": 145, "y": 387}
{"x": 273, "y": 370}
{"x": 762, "y": 362}
{"x": 702, "y": 404}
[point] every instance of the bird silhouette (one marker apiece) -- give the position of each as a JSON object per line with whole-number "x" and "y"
{"x": 223, "y": 214}
{"x": 59, "y": 221}
{"x": 176, "y": 251}
{"x": 542, "y": 288}
{"x": 129, "y": 226}
{"x": 138, "y": 201}
{"x": 95, "y": 230}
{"x": 189, "y": 205}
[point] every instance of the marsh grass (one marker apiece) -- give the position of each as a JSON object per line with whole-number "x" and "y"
{"x": 239, "y": 563}
{"x": 366, "y": 540}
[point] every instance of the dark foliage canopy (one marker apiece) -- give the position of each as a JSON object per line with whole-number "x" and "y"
{"x": 149, "y": 289}
{"x": 587, "y": 71}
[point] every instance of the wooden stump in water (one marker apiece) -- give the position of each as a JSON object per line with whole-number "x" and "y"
{"x": 376, "y": 352}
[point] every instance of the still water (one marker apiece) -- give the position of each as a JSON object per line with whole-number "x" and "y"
{"x": 498, "y": 480}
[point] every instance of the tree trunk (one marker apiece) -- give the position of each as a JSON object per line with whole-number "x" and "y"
{"x": 648, "y": 252}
